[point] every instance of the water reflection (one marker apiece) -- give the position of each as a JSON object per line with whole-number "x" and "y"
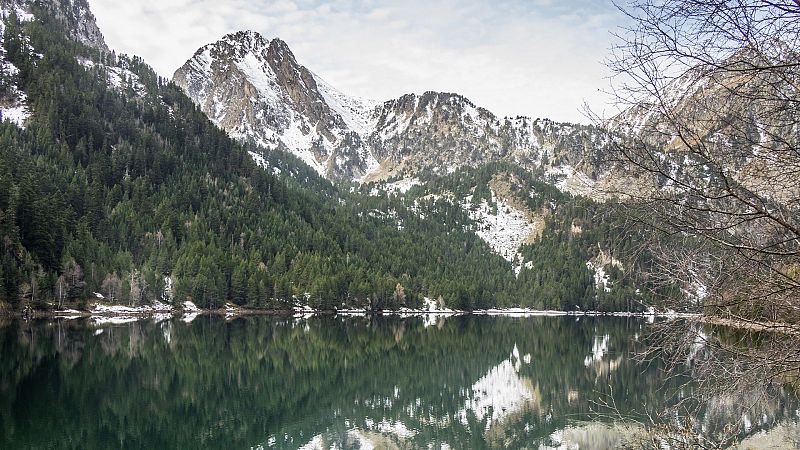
{"x": 334, "y": 382}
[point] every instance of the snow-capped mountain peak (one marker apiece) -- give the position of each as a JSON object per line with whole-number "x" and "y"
{"x": 246, "y": 41}
{"x": 255, "y": 89}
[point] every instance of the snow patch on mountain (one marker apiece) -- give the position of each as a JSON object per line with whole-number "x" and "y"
{"x": 503, "y": 227}
{"x": 519, "y": 265}
{"x": 358, "y": 113}
{"x": 261, "y": 77}
{"x": 568, "y": 179}
{"x": 17, "y": 111}
{"x": 259, "y": 160}
{"x": 300, "y": 142}
{"x": 15, "y": 7}
{"x": 118, "y": 77}
{"x": 601, "y": 278}
{"x": 396, "y": 428}
{"x": 402, "y": 186}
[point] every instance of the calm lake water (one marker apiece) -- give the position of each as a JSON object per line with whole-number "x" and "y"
{"x": 332, "y": 382}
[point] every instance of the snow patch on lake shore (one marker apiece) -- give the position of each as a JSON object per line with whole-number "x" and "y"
{"x": 103, "y": 320}
{"x": 119, "y": 310}
{"x": 189, "y": 306}
{"x": 69, "y": 314}
{"x": 518, "y": 312}
{"x": 118, "y": 314}
{"x": 431, "y": 311}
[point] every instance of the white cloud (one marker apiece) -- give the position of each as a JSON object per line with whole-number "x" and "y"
{"x": 537, "y": 58}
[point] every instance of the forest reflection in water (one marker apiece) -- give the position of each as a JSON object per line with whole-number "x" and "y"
{"x": 348, "y": 382}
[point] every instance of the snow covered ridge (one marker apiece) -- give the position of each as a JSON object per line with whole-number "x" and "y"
{"x": 357, "y": 112}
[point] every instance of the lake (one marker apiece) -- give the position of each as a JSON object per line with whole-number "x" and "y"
{"x": 341, "y": 382}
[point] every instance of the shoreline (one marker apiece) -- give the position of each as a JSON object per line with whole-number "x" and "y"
{"x": 128, "y": 313}
{"x": 117, "y": 314}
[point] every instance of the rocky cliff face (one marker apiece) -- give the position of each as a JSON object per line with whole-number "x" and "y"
{"x": 75, "y": 15}
{"x": 441, "y": 132}
{"x": 434, "y": 131}
{"x": 79, "y": 20}
{"x": 256, "y": 90}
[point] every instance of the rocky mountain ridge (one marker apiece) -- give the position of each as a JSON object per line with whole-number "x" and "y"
{"x": 734, "y": 121}
{"x": 256, "y": 90}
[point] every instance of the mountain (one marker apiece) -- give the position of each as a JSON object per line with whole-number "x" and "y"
{"x": 718, "y": 146}
{"x": 116, "y": 187}
{"x": 256, "y": 90}
{"x": 738, "y": 118}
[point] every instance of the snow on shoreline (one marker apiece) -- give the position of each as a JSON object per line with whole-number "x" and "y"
{"x": 119, "y": 310}
{"x": 431, "y": 310}
{"x": 188, "y": 310}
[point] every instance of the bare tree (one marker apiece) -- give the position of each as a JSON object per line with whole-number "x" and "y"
{"x": 111, "y": 287}
{"x": 138, "y": 288}
{"x": 73, "y": 279}
{"x": 708, "y": 136}
{"x": 710, "y": 126}
{"x": 61, "y": 290}
{"x": 399, "y": 295}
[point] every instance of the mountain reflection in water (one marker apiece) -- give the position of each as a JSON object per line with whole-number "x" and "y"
{"x": 340, "y": 382}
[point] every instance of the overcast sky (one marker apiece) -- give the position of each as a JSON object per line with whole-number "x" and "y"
{"x": 540, "y": 58}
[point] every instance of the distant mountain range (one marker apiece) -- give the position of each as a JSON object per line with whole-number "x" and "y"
{"x": 255, "y": 89}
